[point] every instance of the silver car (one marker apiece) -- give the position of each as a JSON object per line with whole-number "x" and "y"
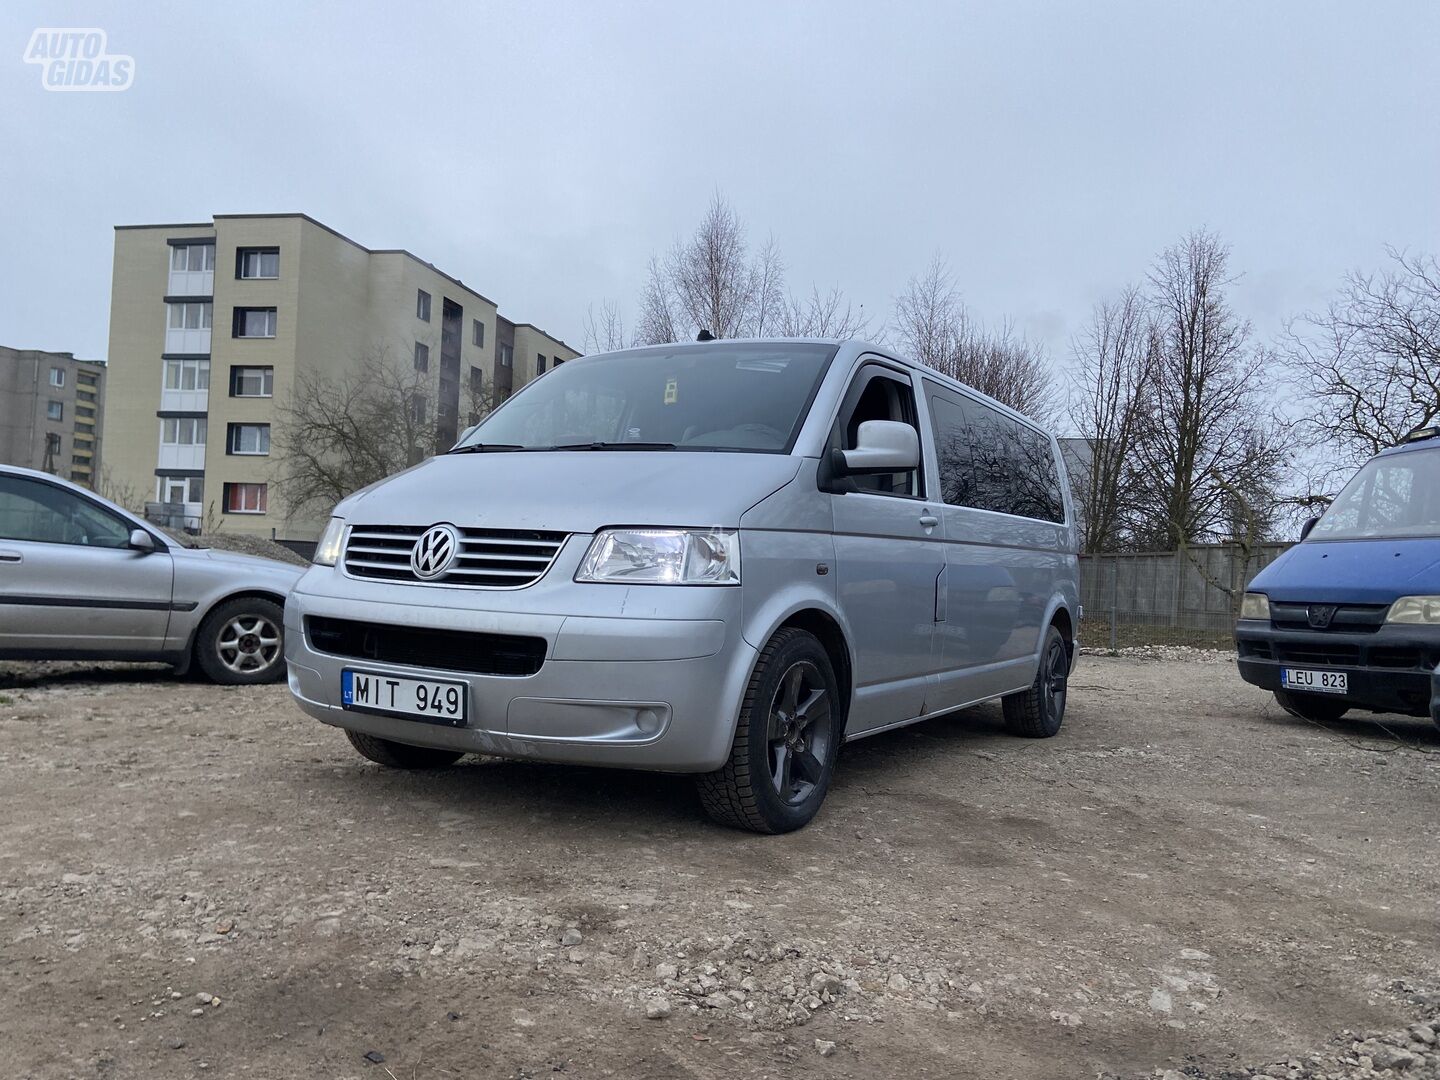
{"x": 81, "y": 579}
{"x": 724, "y": 559}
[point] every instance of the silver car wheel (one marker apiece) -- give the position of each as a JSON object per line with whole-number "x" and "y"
{"x": 248, "y": 643}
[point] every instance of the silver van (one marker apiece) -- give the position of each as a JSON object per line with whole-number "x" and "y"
{"x": 723, "y": 559}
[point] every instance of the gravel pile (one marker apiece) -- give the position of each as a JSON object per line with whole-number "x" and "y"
{"x": 1183, "y": 653}
{"x": 242, "y": 545}
{"x": 1412, "y": 1052}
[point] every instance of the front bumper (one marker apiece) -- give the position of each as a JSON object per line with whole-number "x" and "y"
{"x": 646, "y": 693}
{"x": 1389, "y": 670}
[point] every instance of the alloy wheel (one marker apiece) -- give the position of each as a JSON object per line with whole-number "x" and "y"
{"x": 800, "y": 733}
{"x": 248, "y": 643}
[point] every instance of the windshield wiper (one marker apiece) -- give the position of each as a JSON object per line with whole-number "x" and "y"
{"x": 484, "y": 448}
{"x": 615, "y": 446}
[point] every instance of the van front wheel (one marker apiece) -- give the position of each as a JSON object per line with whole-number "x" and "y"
{"x": 1038, "y": 711}
{"x": 786, "y": 740}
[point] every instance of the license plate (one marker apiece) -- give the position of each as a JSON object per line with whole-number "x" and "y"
{"x": 430, "y": 700}
{"x": 1316, "y": 682}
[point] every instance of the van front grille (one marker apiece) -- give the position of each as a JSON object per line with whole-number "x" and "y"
{"x": 488, "y": 558}
{"x": 449, "y": 650}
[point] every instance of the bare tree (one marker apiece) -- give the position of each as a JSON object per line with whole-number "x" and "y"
{"x": 339, "y": 433}
{"x": 120, "y": 492}
{"x": 1369, "y": 364}
{"x": 1113, "y": 364}
{"x": 770, "y": 304}
{"x": 604, "y": 332}
{"x": 1206, "y": 432}
{"x": 932, "y": 326}
{"x": 829, "y": 315}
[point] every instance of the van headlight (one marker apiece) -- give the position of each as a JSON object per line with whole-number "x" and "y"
{"x": 327, "y": 551}
{"x": 1415, "y": 609}
{"x": 663, "y": 557}
{"x": 1255, "y": 605}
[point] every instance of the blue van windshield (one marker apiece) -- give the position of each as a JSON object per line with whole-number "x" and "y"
{"x": 745, "y": 396}
{"x": 1394, "y": 495}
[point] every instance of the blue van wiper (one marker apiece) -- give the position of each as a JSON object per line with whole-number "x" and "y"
{"x": 484, "y": 448}
{"x": 615, "y": 446}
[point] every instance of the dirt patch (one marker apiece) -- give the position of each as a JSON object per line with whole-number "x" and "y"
{"x": 244, "y": 545}
{"x": 1186, "y": 879}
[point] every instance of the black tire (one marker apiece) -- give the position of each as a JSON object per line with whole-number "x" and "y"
{"x": 1038, "y": 712}
{"x": 397, "y": 755}
{"x": 242, "y": 642}
{"x": 786, "y": 741}
{"x": 1318, "y": 709}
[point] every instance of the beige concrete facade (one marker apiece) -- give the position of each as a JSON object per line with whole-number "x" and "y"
{"x": 52, "y": 413}
{"x": 200, "y": 452}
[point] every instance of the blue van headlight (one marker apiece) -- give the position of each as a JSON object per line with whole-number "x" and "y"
{"x": 1415, "y": 609}
{"x": 1255, "y": 605}
{"x": 663, "y": 557}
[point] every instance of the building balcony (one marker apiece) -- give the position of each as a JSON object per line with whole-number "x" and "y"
{"x": 188, "y": 342}
{"x": 181, "y": 456}
{"x": 190, "y": 401}
{"x": 191, "y": 283}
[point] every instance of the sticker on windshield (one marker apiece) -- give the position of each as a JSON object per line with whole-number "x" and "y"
{"x": 672, "y": 389}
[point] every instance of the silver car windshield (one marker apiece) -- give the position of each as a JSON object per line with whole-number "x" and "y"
{"x": 740, "y": 396}
{"x": 1396, "y": 495}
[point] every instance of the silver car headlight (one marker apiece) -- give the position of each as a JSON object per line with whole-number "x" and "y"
{"x": 327, "y": 551}
{"x": 1255, "y": 605}
{"x": 663, "y": 557}
{"x": 1415, "y": 609}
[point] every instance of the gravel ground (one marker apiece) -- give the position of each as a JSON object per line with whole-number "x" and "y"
{"x": 1186, "y": 882}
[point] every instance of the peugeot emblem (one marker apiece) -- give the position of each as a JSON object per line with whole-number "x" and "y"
{"x": 1319, "y": 615}
{"x": 435, "y": 551}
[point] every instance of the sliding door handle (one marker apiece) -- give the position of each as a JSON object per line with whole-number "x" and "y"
{"x": 929, "y": 521}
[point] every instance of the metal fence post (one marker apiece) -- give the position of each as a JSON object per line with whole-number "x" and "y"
{"x": 1114, "y": 599}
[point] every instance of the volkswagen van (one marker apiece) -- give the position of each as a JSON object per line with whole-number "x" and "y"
{"x": 1349, "y": 618}
{"x": 724, "y": 559}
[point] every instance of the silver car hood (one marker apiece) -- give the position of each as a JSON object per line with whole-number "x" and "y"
{"x": 233, "y": 559}
{"x": 574, "y": 491}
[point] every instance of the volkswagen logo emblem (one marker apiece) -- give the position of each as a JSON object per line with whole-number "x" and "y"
{"x": 435, "y": 551}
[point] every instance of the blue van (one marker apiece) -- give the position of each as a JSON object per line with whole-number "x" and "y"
{"x": 1349, "y": 618}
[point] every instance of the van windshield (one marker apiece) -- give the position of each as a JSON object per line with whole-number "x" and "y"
{"x": 741, "y": 396}
{"x": 1396, "y": 495}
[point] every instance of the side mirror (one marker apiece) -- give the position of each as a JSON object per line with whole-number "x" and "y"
{"x": 881, "y": 446}
{"x": 141, "y": 541}
{"x": 1309, "y": 524}
{"x": 466, "y": 434}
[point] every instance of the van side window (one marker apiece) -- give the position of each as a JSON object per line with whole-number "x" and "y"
{"x": 877, "y": 395}
{"x": 988, "y": 461}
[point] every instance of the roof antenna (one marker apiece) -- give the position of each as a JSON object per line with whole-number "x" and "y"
{"x": 704, "y": 335}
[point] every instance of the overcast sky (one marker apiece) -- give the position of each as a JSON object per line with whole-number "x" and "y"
{"x": 541, "y": 152}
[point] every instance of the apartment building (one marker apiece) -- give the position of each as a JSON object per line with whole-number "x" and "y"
{"x": 211, "y": 325}
{"x": 51, "y": 409}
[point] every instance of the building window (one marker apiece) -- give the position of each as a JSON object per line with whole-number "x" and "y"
{"x": 190, "y": 316}
{"x": 52, "y": 444}
{"x": 86, "y": 379}
{"x": 422, "y": 357}
{"x": 245, "y": 498}
{"x": 422, "y": 305}
{"x": 248, "y": 439}
{"x": 84, "y": 395}
{"x": 187, "y": 374}
{"x": 507, "y": 355}
{"x": 478, "y": 334}
{"x": 55, "y": 410}
{"x": 255, "y": 264}
{"x": 252, "y": 381}
{"x": 192, "y": 257}
{"x": 558, "y": 361}
{"x": 57, "y": 376}
{"x": 539, "y": 363}
{"x": 417, "y": 408}
{"x": 255, "y": 322}
{"x": 182, "y": 430}
{"x": 83, "y": 429}
{"x": 477, "y": 379}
